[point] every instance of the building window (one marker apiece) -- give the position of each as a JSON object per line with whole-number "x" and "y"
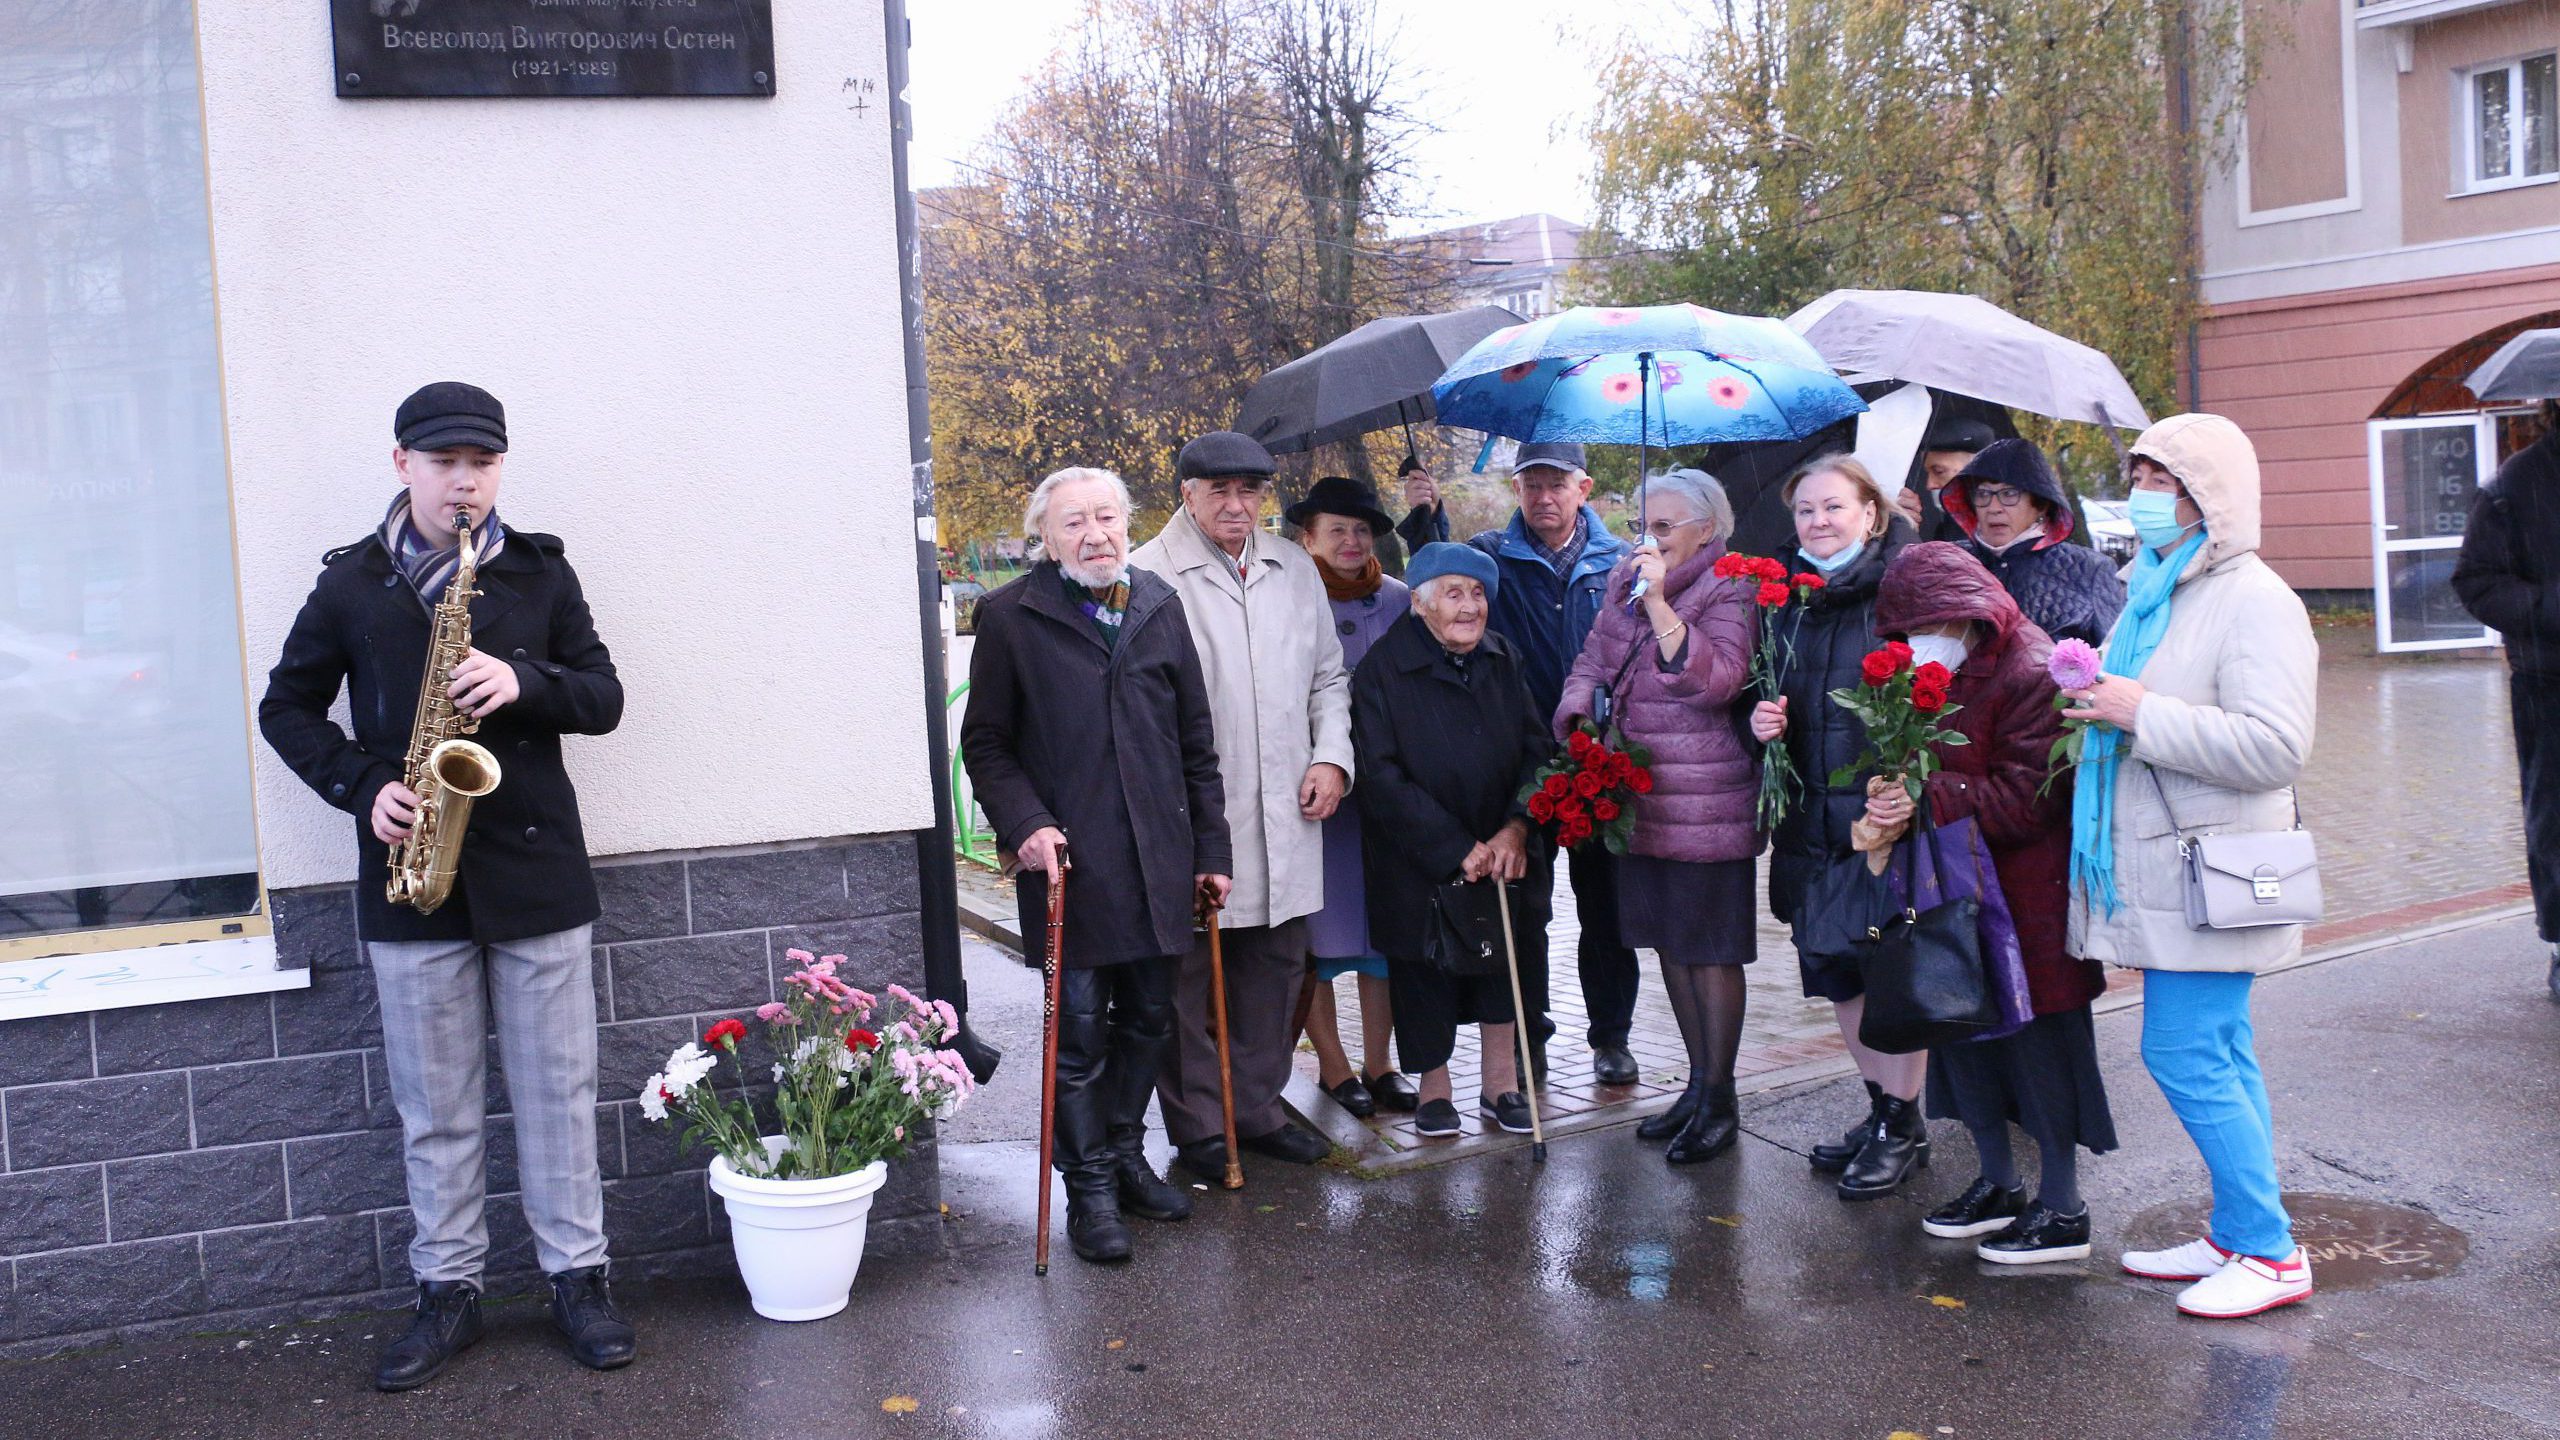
{"x": 124, "y": 740}
{"x": 2512, "y": 130}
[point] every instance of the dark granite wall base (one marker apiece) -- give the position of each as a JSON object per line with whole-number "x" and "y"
{"x": 237, "y": 1161}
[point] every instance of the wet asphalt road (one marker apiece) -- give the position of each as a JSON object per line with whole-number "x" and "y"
{"x": 1604, "y": 1294}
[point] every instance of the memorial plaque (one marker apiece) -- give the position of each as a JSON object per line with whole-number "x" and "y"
{"x": 409, "y": 48}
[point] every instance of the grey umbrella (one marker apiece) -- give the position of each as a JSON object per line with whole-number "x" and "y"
{"x": 2527, "y": 367}
{"x": 1376, "y": 377}
{"x": 1968, "y": 345}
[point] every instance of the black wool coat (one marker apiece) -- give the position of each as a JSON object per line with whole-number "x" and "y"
{"x": 1831, "y": 634}
{"x": 1443, "y": 755}
{"x": 1113, "y": 745}
{"x": 524, "y": 855}
{"x": 2508, "y": 575}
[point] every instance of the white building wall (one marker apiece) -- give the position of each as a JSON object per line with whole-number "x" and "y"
{"x": 689, "y": 308}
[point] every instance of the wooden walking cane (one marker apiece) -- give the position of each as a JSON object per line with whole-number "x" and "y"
{"x": 1209, "y": 908}
{"x": 1053, "y": 972}
{"x": 1520, "y": 1026}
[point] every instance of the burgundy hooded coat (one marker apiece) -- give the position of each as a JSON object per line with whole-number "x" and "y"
{"x": 2009, "y": 723}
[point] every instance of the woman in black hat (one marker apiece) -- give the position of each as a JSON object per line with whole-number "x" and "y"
{"x": 1340, "y": 524}
{"x": 2017, "y": 522}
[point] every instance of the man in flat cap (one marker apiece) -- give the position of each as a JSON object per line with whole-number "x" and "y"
{"x": 1950, "y": 445}
{"x": 514, "y": 935}
{"x": 1555, "y": 557}
{"x": 1280, "y": 703}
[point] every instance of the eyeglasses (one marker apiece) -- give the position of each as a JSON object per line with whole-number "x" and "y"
{"x": 1663, "y": 529}
{"x": 1997, "y": 494}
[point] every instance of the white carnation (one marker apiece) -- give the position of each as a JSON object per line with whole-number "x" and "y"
{"x": 687, "y": 1067}
{"x": 653, "y": 1099}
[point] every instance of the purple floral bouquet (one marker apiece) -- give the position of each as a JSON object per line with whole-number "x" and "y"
{"x": 2074, "y": 665}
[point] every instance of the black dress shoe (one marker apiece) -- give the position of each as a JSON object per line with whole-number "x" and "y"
{"x": 1710, "y": 1132}
{"x": 1143, "y": 1192}
{"x": 2038, "y": 1236}
{"x": 1898, "y": 1145}
{"x": 1290, "y": 1143}
{"x": 1510, "y": 1110}
{"x": 1671, "y": 1121}
{"x": 582, "y": 1307}
{"x": 1392, "y": 1091}
{"x": 1094, "y": 1228}
{"x": 1437, "y": 1119}
{"x": 1353, "y": 1096}
{"x": 1980, "y": 1210}
{"x": 1206, "y": 1159}
{"x": 447, "y": 1321}
{"x": 1831, "y": 1159}
{"x": 1613, "y": 1064}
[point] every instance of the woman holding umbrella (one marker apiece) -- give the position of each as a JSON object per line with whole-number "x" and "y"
{"x": 1340, "y": 524}
{"x": 1845, "y": 533}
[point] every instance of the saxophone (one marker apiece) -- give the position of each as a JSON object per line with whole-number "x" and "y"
{"x": 447, "y": 771}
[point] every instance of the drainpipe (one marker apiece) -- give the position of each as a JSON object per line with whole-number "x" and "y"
{"x": 936, "y": 879}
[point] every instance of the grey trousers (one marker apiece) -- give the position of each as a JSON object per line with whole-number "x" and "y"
{"x": 437, "y": 999}
{"x": 1264, "y": 964}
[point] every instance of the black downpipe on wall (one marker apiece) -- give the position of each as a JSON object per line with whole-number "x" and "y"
{"x": 935, "y": 876}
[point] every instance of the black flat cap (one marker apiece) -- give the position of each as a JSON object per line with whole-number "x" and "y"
{"x": 1223, "y": 453}
{"x": 449, "y": 414}
{"x": 1957, "y": 433}
{"x": 1562, "y": 454}
{"x": 1340, "y": 495}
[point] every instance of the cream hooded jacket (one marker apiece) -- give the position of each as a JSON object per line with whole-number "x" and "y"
{"x": 1278, "y": 696}
{"x": 2226, "y": 724}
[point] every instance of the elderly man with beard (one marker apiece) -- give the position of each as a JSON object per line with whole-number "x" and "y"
{"x": 1089, "y": 731}
{"x": 1264, "y": 629}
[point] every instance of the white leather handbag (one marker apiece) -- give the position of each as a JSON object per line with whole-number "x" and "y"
{"x": 2247, "y": 880}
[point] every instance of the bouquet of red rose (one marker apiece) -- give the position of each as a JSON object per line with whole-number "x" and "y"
{"x": 1901, "y": 706}
{"x": 1773, "y": 589}
{"x": 1587, "y": 790}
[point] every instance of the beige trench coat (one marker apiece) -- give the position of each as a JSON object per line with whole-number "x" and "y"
{"x": 1278, "y": 695}
{"x": 2226, "y": 723}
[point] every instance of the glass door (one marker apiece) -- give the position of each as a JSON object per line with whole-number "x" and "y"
{"x": 2425, "y": 473}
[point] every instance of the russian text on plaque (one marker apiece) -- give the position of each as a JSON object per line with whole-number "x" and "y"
{"x": 539, "y": 48}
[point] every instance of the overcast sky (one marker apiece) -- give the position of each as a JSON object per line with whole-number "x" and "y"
{"x": 1503, "y": 81}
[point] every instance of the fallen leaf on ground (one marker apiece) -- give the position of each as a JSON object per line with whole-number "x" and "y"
{"x": 1264, "y": 1209}
{"x": 899, "y": 1404}
{"x": 1115, "y": 1345}
{"x": 1904, "y": 1435}
{"x": 1730, "y": 1222}
{"x": 1946, "y": 1302}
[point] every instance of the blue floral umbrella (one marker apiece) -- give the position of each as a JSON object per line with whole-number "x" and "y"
{"x": 1655, "y": 375}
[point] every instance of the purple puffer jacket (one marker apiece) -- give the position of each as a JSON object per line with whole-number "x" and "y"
{"x": 1705, "y": 785}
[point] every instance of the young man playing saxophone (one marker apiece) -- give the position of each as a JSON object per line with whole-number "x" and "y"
{"x": 514, "y": 934}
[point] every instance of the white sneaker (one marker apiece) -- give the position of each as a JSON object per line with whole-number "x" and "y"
{"x": 2248, "y": 1286}
{"x": 2192, "y": 1261}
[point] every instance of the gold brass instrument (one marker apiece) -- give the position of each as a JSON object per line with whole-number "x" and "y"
{"x": 447, "y": 771}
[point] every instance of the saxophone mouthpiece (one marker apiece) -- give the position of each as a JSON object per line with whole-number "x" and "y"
{"x": 462, "y": 519}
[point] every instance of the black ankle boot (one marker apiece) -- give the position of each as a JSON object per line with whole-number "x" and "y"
{"x": 1898, "y": 1145}
{"x": 1832, "y": 1159}
{"x": 582, "y": 1307}
{"x": 1094, "y": 1226}
{"x": 1670, "y": 1122}
{"x": 1143, "y": 1192}
{"x": 448, "y": 1320}
{"x": 1711, "y": 1131}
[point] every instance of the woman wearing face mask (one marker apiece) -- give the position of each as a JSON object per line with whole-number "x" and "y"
{"x": 2045, "y": 1077}
{"x": 2201, "y": 724}
{"x": 1670, "y": 669}
{"x": 1841, "y": 521}
{"x": 2018, "y": 524}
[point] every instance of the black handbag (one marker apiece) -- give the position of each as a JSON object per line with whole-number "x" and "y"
{"x": 1925, "y": 979}
{"x": 1464, "y": 936}
{"x": 1845, "y": 905}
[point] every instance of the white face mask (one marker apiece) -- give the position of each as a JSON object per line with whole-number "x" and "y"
{"x": 1945, "y": 649}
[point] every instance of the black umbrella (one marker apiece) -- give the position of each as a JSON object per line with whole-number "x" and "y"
{"x": 1376, "y": 377}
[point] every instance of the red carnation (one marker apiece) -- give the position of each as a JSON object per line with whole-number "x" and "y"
{"x": 1877, "y": 668}
{"x": 1772, "y": 594}
{"x": 1729, "y": 566}
{"x": 1541, "y": 808}
{"x": 1557, "y": 787}
{"x": 1809, "y": 581}
{"x": 1927, "y": 697}
{"x": 1900, "y": 652}
{"x": 858, "y": 1041}
{"x": 1604, "y": 810}
{"x": 1768, "y": 569}
{"x": 1933, "y": 675}
{"x": 725, "y": 1032}
{"x": 1586, "y": 785}
{"x": 1640, "y": 780}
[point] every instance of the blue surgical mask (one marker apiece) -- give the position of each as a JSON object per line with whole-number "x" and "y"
{"x": 2154, "y": 514}
{"x": 1840, "y": 560}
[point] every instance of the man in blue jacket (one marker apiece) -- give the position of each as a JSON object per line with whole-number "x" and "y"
{"x": 1555, "y": 557}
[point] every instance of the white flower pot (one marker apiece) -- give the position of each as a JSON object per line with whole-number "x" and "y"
{"x": 799, "y": 1242}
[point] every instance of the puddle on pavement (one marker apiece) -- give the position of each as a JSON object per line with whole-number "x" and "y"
{"x": 2353, "y": 1244}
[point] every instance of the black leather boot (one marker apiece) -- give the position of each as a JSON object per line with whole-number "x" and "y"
{"x": 1898, "y": 1145}
{"x": 448, "y": 1320}
{"x": 1143, "y": 1192}
{"x": 1094, "y": 1226}
{"x": 1711, "y": 1131}
{"x": 1832, "y": 1159}
{"x": 1671, "y": 1121}
{"x": 582, "y": 1306}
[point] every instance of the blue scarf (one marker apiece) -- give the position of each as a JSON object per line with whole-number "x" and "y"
{"x": 2093, "y": 799}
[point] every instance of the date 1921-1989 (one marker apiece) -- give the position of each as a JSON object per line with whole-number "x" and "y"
{"x": 554, "y": 69}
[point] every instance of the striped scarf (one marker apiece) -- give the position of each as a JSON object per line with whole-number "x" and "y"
{"x": 429, "y": 567}
{"x": 1106, "y": 608}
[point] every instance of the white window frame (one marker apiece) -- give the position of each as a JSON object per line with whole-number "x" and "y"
{"x": 2466, "y": 128}
{"x": 2386, "y": 544}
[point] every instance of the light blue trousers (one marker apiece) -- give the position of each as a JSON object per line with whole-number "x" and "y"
{"x": 2198, "y": 1044}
